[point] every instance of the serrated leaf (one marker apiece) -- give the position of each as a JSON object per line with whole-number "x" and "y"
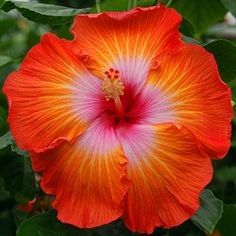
{"x": 201, "y": 13}
{"x": 4, "y": 60}
{"x": 43, "y": 13}
{"x": 230, "y": 5}
{"x": 210, "y": 211}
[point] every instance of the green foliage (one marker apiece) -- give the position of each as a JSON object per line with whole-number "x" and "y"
{"x": 47, "y": 224}
{"x": 5, "y": 140}
{"x": 226, "y": 174}
{"x": 210, "y": 211}
{"x": 43, "y": 13}
{"x": 18, "y": 177}
{"x": 230, "y": 5}
{"x": 4, "y": 60}
{"x": 226, "y": 225}
{"x": 225, "y": 55}
{"x": 201, "y": 13}
{"x": 146, "y": 3}
{"x": 187, "y": 28}
{"x": 108, "y": 5}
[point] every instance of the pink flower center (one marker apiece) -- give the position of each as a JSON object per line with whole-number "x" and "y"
{"x": 120, "y": 101}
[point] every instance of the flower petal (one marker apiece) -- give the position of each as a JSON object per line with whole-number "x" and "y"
{"x": 127, "y": 41}
{"x": 51, "y": 97}
{"x": 199, "y": 100}
{"x": 167, "y": 175}
{"x": 88, "y": 178}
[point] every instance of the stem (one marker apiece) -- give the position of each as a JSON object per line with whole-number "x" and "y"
{"x": 98, "y": 5}
{"x": 135, "y": 3}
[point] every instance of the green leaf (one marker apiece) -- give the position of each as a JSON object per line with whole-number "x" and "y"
{"x": 225, "y": 174}
{"x": 5, "y": 140}
{"x": 43, "y": 13}
{"x": 1, "y": 3}
{"x": 226, "y": 226}
{"x": 225, "y": 55}
{"x": 19, "y": 216}
{"x": 4, "y": 60}
{"x": 7, "y": 23}
{"x": 7, "y": 227}
{"x": 146, "y": 3}
{"x": 209, "y": 213}
{"x": 201, "y": 13}
{"x": 18, "y": 177}
{"x": 3, "y": 193}
{"x": 230, "y": 5}
{"x": 15, "y": 148}
{"x": 46, "y": 224}
{"x": 187, "y": 28}
{"x": 109, "y": 5}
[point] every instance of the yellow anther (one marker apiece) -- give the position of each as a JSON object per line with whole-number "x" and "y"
{"x": 112, "y": 88}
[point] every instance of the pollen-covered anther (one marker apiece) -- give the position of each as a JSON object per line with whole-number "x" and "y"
{"x": 113, "y": 88}
{"x": 112, "y": 85}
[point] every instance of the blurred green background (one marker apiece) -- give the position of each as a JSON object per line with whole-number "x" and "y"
{"x": 206, "y": 22}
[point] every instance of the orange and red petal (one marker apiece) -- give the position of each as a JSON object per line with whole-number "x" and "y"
{"x": 88, "y": 178}
{"x": 52, "y": 97}
{"x": 197, "y": 97}
{"x": 167, "y": 174}
{"x": 127, "y": 41}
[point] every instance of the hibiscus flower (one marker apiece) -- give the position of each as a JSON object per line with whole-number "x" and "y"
{"x": 123, "y": 120}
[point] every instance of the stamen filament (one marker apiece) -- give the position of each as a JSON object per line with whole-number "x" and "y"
{"x": 113, "y": 89}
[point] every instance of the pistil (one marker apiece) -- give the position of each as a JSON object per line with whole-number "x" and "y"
{"x": 113, "y": 88}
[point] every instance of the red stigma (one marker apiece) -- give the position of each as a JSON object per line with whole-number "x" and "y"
{"x": 112, "y": 74}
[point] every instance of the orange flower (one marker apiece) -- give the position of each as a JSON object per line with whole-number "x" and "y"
{"x": 122, "y": 120}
